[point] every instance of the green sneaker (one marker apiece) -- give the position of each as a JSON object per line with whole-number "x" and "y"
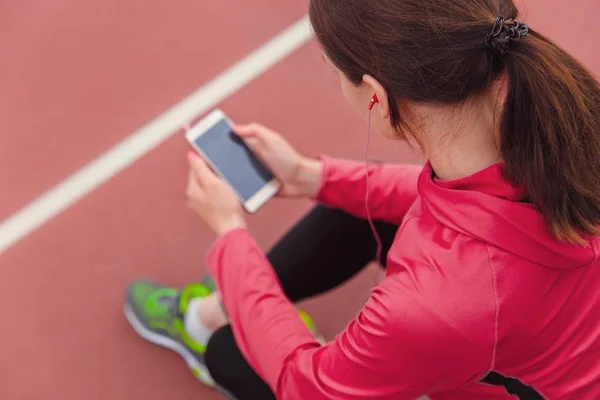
{"x": 307, "y": 319}
{"x": 156, "y": 313}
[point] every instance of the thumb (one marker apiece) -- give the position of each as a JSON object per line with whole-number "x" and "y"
{"x": 256, "y": 145}
{"x": 253, "y": 131}
{"x": 246, "y": 130}
{"x": 253, "y": 136}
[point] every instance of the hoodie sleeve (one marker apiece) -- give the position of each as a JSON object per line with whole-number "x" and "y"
{"x": 392, "y": 188}
{"x": 394, "y": 349}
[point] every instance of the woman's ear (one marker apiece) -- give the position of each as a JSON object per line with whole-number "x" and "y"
{"x": 373, "y": 85}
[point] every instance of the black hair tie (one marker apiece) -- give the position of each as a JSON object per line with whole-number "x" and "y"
{"x": 503, "y": 33}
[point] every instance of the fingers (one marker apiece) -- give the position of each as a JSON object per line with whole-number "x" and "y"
{"x": 193, "y": 190}
{"x": 200, "y": 169}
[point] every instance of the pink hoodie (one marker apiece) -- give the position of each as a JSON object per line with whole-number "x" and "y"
{"x": 474, "y": 283}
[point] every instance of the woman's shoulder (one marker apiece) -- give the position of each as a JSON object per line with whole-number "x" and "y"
{"x": 446, "y": 273}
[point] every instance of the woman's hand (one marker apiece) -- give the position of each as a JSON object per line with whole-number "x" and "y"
{"x": 212, "y": 198}
{"x": 298, "y": 175}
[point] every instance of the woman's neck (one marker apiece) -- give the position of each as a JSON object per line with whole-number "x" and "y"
{"x": 461, "y": 142}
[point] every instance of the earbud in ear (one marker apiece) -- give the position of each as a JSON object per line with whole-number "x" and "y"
{"x": 374, "y": 100}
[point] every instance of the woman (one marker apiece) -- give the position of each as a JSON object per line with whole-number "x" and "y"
{"x": 493, "y": 273}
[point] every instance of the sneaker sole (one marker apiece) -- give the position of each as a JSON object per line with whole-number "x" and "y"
{"x": 199, "y": 370}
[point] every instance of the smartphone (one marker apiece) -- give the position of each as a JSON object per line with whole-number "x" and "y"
{"x": 214, "y": 139}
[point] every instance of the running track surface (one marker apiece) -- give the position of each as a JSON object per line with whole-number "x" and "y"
{"x": 79, "y": 77}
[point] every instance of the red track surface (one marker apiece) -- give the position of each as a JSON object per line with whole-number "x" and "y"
{"x": 76, "y": 78}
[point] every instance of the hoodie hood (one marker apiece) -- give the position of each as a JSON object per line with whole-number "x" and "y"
{"x": 489, "y": 208}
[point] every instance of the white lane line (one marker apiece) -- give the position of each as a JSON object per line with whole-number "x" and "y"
{"x": 140, "y": 142}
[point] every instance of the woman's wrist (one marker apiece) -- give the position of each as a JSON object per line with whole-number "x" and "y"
{"x": 233, "y": 223}
{"x": 310, "y": 173}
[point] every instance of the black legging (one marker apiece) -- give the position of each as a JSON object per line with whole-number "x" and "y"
{"x": 325, "y": 249}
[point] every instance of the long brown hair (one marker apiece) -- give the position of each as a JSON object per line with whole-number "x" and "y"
{"x": 434, "y": 51}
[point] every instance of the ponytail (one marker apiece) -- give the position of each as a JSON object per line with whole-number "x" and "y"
{"x": 446, "y": 52}
{"x": 550, "y": 136}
